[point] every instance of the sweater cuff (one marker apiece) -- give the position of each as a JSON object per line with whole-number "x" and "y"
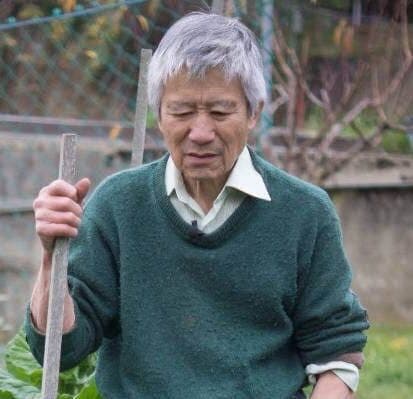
{"x": 347, "y": 372}
{"x": 37, "y": 339}
{"x": 356, "y": 358}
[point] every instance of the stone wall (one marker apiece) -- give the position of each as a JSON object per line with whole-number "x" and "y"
{"x": 377, "y": 227}
{"x": 378, "y": 236}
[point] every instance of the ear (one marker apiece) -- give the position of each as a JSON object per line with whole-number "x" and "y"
{"x": 160, "y": 124}
{"x": 255, "y": 117}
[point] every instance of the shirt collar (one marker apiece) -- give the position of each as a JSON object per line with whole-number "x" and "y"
{"x": 243, "y": 177}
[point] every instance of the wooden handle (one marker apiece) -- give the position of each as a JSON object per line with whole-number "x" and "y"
{"x": 218, "y": 7}
{"x": 51, "y": 363}
{"x": 138, "y": 142}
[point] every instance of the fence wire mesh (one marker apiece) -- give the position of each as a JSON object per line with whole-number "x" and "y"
{"x": 82, "y": 64}
{"x": 77, "y": 65}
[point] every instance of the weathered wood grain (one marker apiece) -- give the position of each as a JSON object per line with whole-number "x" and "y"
{"x": 67, "y": 172}
{"x": 138, "y": 141}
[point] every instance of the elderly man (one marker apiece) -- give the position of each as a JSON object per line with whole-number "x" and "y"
{"x": 209, "y": 273}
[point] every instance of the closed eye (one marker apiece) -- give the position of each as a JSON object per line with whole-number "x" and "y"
{"x": 182, "y": 114}
{"x": 219, "y": 114}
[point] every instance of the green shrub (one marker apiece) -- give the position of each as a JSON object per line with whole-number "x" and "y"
{"x": 23, "y": 375}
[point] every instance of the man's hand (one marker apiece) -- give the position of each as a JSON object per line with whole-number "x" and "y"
{"x": 329, "y": 386}
{"x": 58, "y": 211}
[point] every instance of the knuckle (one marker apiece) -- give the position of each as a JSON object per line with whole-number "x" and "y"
{"x": 36, "y": 203}
{"x": 73, "y": 219}
{"x": 41, "y": 229}
{"x": 42, "y": 214}
{"x": 44, "y": 190}
{"x": 66, "y": 202}
{"x": 79, "y": 210}
{"x": 52, "y": 186}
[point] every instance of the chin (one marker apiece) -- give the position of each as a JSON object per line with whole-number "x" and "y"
{"x": 202, "y": 174}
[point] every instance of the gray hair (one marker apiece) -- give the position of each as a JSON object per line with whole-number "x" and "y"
{"x": 199, "y": 42}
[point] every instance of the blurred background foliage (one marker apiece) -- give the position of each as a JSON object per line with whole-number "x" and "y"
{"x": 80, "y": 59}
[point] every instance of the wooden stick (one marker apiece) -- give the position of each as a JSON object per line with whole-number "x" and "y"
{"x": 51, "y": 364}
{"x": 138, "y": 142}
{"x": 218, "y": 7}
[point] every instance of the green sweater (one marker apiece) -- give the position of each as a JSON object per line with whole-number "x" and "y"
{"x": 237, "y": 313}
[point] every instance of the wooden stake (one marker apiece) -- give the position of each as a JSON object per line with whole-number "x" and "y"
{"x": 218, "y": 7}
{"x": 51, "y": 364}
{"x": 138, "y": 142}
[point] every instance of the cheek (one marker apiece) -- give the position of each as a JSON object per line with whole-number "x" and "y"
{"x": 237, "y": 141}
{"x": 173, "y": 135}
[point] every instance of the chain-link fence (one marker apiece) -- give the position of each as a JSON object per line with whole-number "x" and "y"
{"x": 79, "y": 68}
{"x": 76, "y": 65}
{"x": 72, "y": 65}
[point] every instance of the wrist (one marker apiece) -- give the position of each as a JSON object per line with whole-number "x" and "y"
{"x": 330, "y": 386}
{"x": 47, "y": 260}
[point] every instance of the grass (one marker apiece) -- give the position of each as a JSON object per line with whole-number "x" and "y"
{"x": 388, "y": 370}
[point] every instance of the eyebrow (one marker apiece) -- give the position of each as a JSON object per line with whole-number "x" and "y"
{"x": 226, "y": 104}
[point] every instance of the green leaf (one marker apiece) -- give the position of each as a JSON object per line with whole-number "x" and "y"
{"x": 20, "y": 362}
{"x": 73, "y": 380}
{"x": 12, "y": 388}
{"x": 25, "y": 373}
{"x": 89, "y": 392}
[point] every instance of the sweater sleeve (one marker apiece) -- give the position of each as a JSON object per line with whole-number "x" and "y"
{"x": 328, "y": 319}
{"x": 93, "y": 285}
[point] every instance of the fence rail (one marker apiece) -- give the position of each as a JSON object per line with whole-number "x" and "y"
{"x": 15, "y": 206}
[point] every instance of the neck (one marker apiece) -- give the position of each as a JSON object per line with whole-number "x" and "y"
{"x": 204, "y": 191}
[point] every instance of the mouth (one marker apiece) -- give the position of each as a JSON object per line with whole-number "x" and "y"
{"x": 202, "y": 155}
{"x": 201, "y": 158}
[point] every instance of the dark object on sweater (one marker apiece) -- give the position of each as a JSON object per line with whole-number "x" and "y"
{"x": 237, "y": 313}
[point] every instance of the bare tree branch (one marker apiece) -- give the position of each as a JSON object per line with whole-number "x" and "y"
{"x": 343, "y": 95}
{"x": 278, "y": 77}
{"x": 279, "y": 53}
{"x": 281, "y": 100}
{"x": 337, "y": 127}
{"x": 395, "y": 83}
{"x": 405, "y": 29}
{"x": 338, "y": 163}
{"x": 300, "y": 77}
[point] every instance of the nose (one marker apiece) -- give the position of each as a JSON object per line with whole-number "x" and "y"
{"x": 202, "y": 129}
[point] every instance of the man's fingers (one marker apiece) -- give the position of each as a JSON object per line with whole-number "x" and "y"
{"x": 53, "y": 230}
{"x": 59, "y": 188}
{"x": 59, "y": 204}
{"x": 82, "y": 187}
{"x": 58, "y": 210}
{"x": 49, "y": 216}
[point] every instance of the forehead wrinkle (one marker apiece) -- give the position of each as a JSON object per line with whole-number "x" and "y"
{"x": 227, "y": 104}
{"x": 177, "y": 104}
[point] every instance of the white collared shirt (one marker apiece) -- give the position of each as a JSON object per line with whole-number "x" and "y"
{"x": 243, "y": 180}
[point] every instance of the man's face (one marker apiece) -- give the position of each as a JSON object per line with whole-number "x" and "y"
{"x": 205, "y": 124}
